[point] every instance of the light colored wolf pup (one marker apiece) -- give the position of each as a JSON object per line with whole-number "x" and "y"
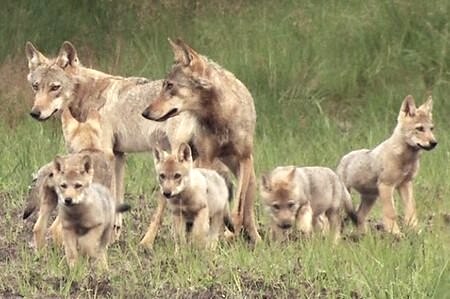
{"x": 300, "y": 196}
{"x": 81, "y": 138}
{"x": 86, "y": 210}
{"x": 391, "y": 165}
{"x": 197, "y": 197}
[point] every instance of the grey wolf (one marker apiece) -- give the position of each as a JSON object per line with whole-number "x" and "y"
{"x": 391, "y": 165}
{"x": 197, "y": 197}
{"x": 224, "y": 110}
{"x": 82, "y": 138}
{"x": 300, "y": 196}
{"x": 63, "y": 82}
{"x": 86, "y": 209}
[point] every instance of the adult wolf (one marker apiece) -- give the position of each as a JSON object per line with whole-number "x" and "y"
{"x": 226, "y": 115}
{"x": 64, "y": 82}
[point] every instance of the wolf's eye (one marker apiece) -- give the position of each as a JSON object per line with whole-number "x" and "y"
{"x": 177, "y": 176}
{"x": 420, "y": 129}
{"x": 55, "y": 87}
{"x": 431, "y": 128}
{"x": 276, "y": 206}
{"x": 63, "y": 185}
{"x": 35, "y": 86}
{"x": 169, "y": 85}
{"x": 291, "y": 205}
{"x": 162, "y": 176}
{"x": 78, "y": 186}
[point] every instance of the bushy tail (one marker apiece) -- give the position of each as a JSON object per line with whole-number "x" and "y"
{"x": 228, "y": 222}
{"x": 124, "y": 207}
{"x": 348, "y": 206}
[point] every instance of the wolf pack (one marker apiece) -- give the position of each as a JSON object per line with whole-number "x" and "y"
{"x": 199, "y": 122}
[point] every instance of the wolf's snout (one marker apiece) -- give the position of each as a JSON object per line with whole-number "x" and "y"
{"x": 433, "y": 144}
{"x": 167, "y": 194}
{"x": 36, "y": 114}
{"x": 68, "y": 200}
{"x": 145, "y": 114}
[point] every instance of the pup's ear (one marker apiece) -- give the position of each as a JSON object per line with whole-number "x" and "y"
{"x": 291, "y": 174}
{"x": 58, "y": 164}
{"x": 408, "y": 107}
{"x": 35, "y": 58}
{"x": 67, "y": 55}
{"x": 158, "y": 155}
{"x": 86, "y": 161}
{"x": 427, "y": 106}
{"x": 184, "y": 153}
{"x": 265, "y": 183}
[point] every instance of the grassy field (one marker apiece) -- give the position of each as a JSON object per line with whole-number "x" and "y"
{"x": 327, "y": 77}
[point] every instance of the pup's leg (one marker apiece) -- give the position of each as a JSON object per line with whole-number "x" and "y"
{"x": 335, "y": 224}
{"x": 406, "y": 193}
{"x": 304, "y": 219}
{"x": 46, "y": 207}
{"x": 91, "y": 244}
{"x": 56, "y": 231}
{"x": 200, "y": 228}
{"x": 321, "y": 224}
{"x": 389, "y": 216}
{"x": 367, "y": 202}
{"x": 153, "y": 228}
{"x": 119, "y": 175}
{"x": 70, "y": 247}
{"x": 215, "y": 229}
{"x": 179, "y": 230}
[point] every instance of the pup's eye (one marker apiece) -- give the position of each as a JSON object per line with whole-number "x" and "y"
{"x": 35, "y": 86}
{"x": 177, "y": 176}
{"x": 63, "y": 185}
{"x": 55, "y": 87}
{"x": 431, "y": 128}
{"x": 291, "y": 205}
{"x": 78, "y": 186}
{"x": 276, "y": 206}
{"x": 162, "y": 176}
{"x": 420, "y": 129}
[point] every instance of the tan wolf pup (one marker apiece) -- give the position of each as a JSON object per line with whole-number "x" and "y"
{"x": 87, "y": 210}
{"x": 81, "y": 138}
{"x": 63, "y": 82}
{"x": 225, "y": 112}
{"x": 391, "y": 165}
{"x": 300, "y": 196}
{"x": 197, "y": 197}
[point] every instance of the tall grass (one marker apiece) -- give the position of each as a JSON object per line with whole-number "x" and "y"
{"x": 327, "y": 77}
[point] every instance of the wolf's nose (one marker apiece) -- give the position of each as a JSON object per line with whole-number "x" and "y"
{"x": 145, "y": 114}
{"x": 167, "y": 194}
{"x": 68, "y": 200}
{"x": 35, "y": 114}
{"x": 285, "y": 225}
{"x": 433, "y": 144}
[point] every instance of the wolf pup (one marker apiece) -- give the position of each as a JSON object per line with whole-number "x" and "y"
{"x": 198, "y": 198}
{"x": 225, "y": 112}
{"x": 391, "y": 165}
{"x": 86, "y": 210}
{"x": 81, "y": 138}
{"x": 300, "y": 195}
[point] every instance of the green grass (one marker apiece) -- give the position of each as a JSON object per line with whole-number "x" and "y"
{"x": 327, "y": 77}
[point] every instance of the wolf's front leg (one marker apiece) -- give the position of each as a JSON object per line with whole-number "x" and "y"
{"x": 70, "y": 247}
{"x": 119, "y": 176}
{"x": 387, "y": 201}
{"x": 406, "y": 193}
{"x": 153, "y": 228}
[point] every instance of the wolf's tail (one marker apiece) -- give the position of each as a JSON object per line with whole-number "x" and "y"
{"x": 348, "y": 206}
{"x": 123, "y": 207}
{"x": 228, "y": 222}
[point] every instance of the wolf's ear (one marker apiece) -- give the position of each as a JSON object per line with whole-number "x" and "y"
{"x": 58, "y": 164}
{"x": 408, "y": 107}
{"x": 203, "y": 83}
{"x": 186, "y": 56}
{"x": 427, "y": 106}
{"x": 265, "y": 183}
{"x": 184, "y": 153}
{"x": 67, "y": 55}
{"x": 86, "y": 161}
{"x": 35, "y": 58}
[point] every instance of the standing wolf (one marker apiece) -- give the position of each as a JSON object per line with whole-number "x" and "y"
{"x": 391, "y": 165}
{"x": 226, "y": 115}
{"x": 63, "y": 82}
